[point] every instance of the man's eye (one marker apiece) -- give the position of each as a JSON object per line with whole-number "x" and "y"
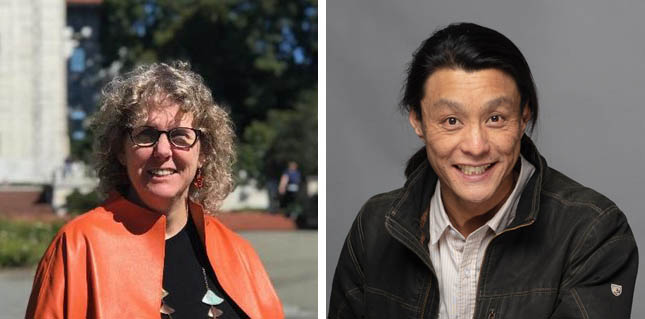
{"x": 494, "y": 118}
{"x": 451, "y": 121}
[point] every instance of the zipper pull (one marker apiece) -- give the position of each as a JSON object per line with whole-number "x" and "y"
{"x": 491, "y": 314}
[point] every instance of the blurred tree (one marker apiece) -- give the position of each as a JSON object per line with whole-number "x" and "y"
{"x": 254, "y": 55}
{"x": 258, "y": 57}
{"x": 81, "y": 149}
{"x": 78, "y": 203}
{"x": 286, "y": 135}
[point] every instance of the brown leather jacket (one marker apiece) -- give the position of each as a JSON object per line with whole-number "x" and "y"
{"x": 108, "y": 263}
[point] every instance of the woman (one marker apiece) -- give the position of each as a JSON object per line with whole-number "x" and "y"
{"x": 164, "y": 153}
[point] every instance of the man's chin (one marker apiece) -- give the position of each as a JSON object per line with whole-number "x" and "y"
{"x": 475, "y": 198}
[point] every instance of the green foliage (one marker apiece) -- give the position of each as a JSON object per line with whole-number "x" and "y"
{"x": 81, "y": 149}
{"x": 258, "y": 57}
{"x": 22, "y": 243}
{"x": 78, "y": 203}
{"x": 287, "y": 135}
{"x": 254, "y": 55}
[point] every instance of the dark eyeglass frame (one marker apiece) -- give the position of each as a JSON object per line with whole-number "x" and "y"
{"x": 198, "y": 134}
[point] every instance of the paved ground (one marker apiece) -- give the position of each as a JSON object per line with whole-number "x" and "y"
{"x": 289, "y": 256}
{"x": 15, "y": 286}
{"x": 291, "y": 260}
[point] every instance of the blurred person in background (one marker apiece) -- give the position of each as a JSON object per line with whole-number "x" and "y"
{"x": 289, "y": 184}
{"x": 164, "y": 154}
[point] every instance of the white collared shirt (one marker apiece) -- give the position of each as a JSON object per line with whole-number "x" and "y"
{"x": 457, "y": 260}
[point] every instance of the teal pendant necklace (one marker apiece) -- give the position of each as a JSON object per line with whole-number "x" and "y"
{"x": 210, "y": 298}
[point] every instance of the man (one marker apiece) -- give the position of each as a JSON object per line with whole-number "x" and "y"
{"x": 483, "y": 227}
{"x": 289, "y": 184}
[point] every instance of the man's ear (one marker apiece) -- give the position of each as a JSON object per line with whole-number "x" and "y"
{"x": 416, "y": 123}
{"x": 526, "y": 117}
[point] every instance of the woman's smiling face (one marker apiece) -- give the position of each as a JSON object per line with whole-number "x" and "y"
{"x": 161, "y": 174}
{"x": 472, "y": 126}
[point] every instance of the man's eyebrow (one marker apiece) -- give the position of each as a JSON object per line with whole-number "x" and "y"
{"x": 448, "y": 103}
{"x": 459, "y": 107}
{"x": 499, "y": 101}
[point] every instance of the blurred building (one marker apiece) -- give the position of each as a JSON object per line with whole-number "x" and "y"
{"x": 33, "y": 101}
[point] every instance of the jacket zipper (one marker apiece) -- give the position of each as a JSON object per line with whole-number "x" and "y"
{"x": 491, "y": 314}
{"x": 425, "y": 301}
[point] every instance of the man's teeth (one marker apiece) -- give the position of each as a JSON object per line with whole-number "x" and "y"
{"x": 473, "y": 170}
{"x": 161, "y": 172}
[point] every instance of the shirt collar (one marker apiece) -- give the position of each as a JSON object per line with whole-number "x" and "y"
{"x": 439, "y": 220}
{"x": 506, "y": 213}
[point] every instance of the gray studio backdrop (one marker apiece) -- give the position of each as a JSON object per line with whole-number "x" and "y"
{"x": 587, "y": 58}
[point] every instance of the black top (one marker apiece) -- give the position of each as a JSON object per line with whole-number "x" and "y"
{"x": 183, "y": 278}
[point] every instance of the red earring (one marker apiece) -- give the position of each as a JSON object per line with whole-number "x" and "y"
{"x": 199, "y": 179}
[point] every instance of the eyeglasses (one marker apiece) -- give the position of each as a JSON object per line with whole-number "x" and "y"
{"x": 181, "y": 137}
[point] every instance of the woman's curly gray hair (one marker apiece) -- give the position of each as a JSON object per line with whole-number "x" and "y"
{"x": 125, "y": 103}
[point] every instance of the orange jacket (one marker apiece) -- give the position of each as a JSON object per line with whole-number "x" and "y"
{"x": 108, "y": 263}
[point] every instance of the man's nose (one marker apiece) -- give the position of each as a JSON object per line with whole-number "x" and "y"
{"x": 475, "y": 141}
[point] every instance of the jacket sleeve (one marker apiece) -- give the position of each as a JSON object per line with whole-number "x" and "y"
{"x": 600, "y": 278}
{"x": 347, "y": 294}
{"x": 59, "y": 288}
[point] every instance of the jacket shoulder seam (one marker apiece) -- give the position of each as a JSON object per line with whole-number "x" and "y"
{"x": 566, "y": 282}
{"x": 590, "y": 228}
{"x": 568, "y": 202}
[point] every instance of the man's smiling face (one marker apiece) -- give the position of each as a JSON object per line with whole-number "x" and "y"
{"x": 472, "y": 127}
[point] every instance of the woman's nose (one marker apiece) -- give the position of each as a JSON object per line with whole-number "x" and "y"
{"x": 163, "y": 148}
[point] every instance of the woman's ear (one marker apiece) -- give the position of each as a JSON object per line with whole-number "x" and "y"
{"x": 121, "y": 157}
{"x": 201, "y": 160}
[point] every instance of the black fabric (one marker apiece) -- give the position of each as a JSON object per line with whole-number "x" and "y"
{"x": 184, "y": 281}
